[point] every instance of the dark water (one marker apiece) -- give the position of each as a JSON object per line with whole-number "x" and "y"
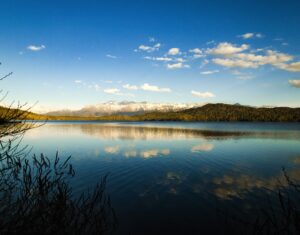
{"x": 174, "y": 178}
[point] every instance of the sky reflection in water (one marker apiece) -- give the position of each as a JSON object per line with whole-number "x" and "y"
{"x": 171, "y": 177}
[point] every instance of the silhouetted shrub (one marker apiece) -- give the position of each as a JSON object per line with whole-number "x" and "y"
{"x": 35, "y": 192}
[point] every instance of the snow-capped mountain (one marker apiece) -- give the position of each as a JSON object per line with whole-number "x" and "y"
{"x": 123, "y": 107}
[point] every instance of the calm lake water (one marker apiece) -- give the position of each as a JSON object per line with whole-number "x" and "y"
{"x": 171, "y": 177}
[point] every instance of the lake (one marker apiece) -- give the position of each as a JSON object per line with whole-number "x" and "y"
{"x": 174, "y": 177}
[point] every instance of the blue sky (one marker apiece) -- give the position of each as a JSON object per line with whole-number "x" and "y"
{"x": 67, "y": 54}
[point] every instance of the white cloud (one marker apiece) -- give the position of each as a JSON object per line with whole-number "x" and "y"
{"x": 196, "y": 51}
{"x": 251, "y": 35}
{"x": 148, "y": 87}
{"x": 247, "y": 35}
{"x": 181, "y": 60}
{"x": 271, "y": 57}
{"x": 113, "y": 91}
{"x": 226, "y": 48}
{"x": 149, "y": 48}
{"x": 111, "y": 56}
{"x": 130, "y": 87}
{"x": 196, "y": 56}
{"x": 78, "y": 81}
{"x": 250, "y": 60}
{"x": 179, "y": 65}
{"x": 235, "y": 63}
{"x": 203, "y": 94}
{"x": 174, "y": 51}
{"x": 295, "y": 83}
{"x": 209, "y": 72}
{"x": 292, "y": 67}
{"x": 158, "y": 58}
{"x": 36, "y": 48}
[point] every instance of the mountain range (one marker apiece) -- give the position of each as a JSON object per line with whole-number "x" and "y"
{"x": 123, "y": 108}
{"x": 207, "y": 112}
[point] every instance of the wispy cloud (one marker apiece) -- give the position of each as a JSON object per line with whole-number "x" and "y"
{"x": 179, "y": 65}
{"x": 203, "y": 94}
{"x": 251, "y": 35}
{"x": 204, "y": 63}
{"x": 245, "y": 77}
{"x": 36, "y": 48}
{"x": 247, "y": 35}
{"x": 95, "y": 86}
{"x": 209, "y": 72}
{"x": 113, "y": 91}
{"x": 197, "y": 53}
{"x": 295, "y": 83}
{"x": 152, "y": 39}
{"x": 242, "y": 76}
{"x": 251, "y": 60}
{"x": 158, "y": 58}
{"x": 111, "y": 56}
{"x": 210, "y": 42}
{"x": 130, "y": 87}
{"x": 149, "y": 49}
{"x": 148, "y": 87}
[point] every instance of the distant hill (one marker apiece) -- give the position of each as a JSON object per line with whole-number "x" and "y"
{"x": 208, "y": 112}
{"x": 226, "y": 112}
{"x": 7, "y": 114}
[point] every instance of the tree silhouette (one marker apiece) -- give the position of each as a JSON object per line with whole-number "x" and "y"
{"x": 35, "y": 192}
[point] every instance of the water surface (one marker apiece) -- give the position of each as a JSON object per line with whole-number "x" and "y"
{"x": 173, "y": 177}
